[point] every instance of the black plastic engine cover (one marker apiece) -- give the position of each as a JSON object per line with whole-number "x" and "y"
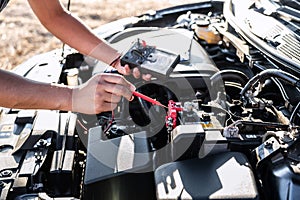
{"x": 282, "y": 181}
{"x": 222, "y": 176}
{"x": 118, "y": 168}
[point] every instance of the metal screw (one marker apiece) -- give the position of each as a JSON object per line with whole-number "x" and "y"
{"x": 6, "y": 173}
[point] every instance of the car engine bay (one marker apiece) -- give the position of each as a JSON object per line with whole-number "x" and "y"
{"x": 227, "y": 126}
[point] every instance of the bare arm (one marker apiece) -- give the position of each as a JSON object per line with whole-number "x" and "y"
{"x": 101, "y": 93}
{"x": 71, "y": 30}
{"x": 18, "y": 92}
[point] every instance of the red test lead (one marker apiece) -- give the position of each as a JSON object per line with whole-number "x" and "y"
{"x": 146, "y": 98}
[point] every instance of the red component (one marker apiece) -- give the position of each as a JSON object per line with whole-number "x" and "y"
{"x": 146, "y": 98}
{"x": 144, "y": 44}
{"x": 171, "y": 118}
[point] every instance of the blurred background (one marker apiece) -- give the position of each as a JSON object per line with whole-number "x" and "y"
{"x": 22, "y": 36}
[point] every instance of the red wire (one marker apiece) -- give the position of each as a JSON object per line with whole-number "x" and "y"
{"x": 146, "y": 98}
{"x": 110, "y": 122}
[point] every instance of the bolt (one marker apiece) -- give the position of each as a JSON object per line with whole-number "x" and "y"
{"x": 269, "y": 145}
{"x": 41, "y": 143}
{"x": 6, "y": 173}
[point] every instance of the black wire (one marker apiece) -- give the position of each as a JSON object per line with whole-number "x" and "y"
{"x": 294, "y": 114}
{"x": 69, "y": 4}
{"x": 63, "y": 46}
{"x": 271, "y": 73}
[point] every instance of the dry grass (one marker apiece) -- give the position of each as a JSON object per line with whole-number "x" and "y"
{"x": 22, "y": 36}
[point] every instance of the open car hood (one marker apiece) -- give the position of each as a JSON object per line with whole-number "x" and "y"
{"x": 227, "y": 126}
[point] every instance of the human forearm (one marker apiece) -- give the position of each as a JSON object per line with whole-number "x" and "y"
{"x": 71, "y": 30}
{"x": 82, "y": 39}
{"x": 18, "y": 92}
{"x": 101, "y": 93}
{"x": 74, "y": 33}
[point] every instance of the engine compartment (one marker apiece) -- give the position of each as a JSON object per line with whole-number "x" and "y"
{"x": 228, "y": 127}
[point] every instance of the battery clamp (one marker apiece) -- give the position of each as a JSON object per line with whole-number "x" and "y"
{"x": 149, "y": 59}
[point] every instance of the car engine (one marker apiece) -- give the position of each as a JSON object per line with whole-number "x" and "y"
{"x": 226, "y": 76}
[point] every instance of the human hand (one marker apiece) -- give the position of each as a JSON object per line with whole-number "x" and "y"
{"x": 125, "y": 70}
{"x": 101, "y": 93}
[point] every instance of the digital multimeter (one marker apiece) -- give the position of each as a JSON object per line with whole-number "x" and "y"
{"x": 149, "y": 59}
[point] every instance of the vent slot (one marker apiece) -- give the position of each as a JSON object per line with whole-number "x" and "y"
{"x": 290, "y": 47}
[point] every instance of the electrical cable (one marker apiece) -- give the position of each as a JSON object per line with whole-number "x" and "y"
{"x": 64, "y": 44}
{"x": 269, "y": 73}
{"x": 110, "y": 122}
{"x": 294, "y": 114}
{"x": 231, "y": 75}
{"x": 275, "y": 80}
